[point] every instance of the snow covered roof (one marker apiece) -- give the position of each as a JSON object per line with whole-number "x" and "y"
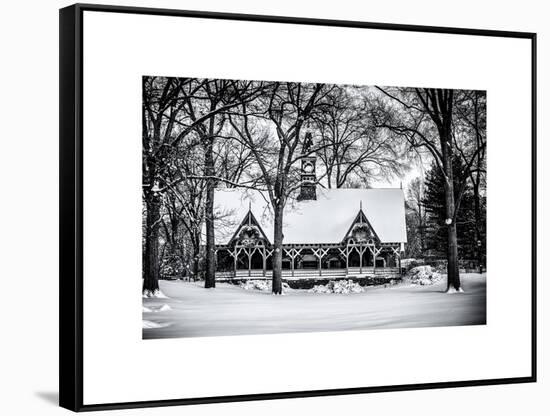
{"x": 325, "y": 220}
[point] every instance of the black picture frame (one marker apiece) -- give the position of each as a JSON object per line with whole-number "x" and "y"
{"x": 71, "y": 206}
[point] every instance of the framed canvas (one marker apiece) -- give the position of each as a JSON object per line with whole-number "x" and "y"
{"x": 261, "y": 207}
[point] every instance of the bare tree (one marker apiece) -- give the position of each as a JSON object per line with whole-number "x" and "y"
{"x": 234, "y": 161}
{"x": 160, "y": 110}
{"x": 271, "y": 128}
{"x": 351, "y": 147}
{"x": 425, "y": 118}
{"x": 176, "y": 110}
{"x": 205, "y": 98}
{"x": 206, "y": 104}
{"x": 186, "y": 195}
{"x": 167, "y": 122}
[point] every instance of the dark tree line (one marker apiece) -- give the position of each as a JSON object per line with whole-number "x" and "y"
{"x": 416, "y": 218}
{"x": 470, "y": 241}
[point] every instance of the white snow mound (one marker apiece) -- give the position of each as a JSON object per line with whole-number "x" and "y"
{"x": 451, "y": 290}
{"x": 156, "y": 294}
{"x": 338, "y": 286}
{"x": 423, "y": 275}
{"x": 261, "y": 285}
{"x": 162, "y": 308}
{"x": 153, "y": 325}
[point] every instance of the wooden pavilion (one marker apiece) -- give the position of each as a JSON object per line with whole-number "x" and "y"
{"x": 327, "y": 233}
{"x": 342, "y": 233}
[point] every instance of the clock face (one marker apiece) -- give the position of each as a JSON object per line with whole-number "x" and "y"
{"x": 308, "y": 168}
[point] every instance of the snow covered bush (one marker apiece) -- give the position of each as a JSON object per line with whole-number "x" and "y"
{"x": 156, "y": 294}
{"x": 320, "y": 289}
{"x": 423, "y": 275}
{"x": 255, "y": 285}
{"x": 338, "y": 286}
{"x": 262, "y": 285}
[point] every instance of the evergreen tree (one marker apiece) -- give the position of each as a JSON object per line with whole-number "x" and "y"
{"x": 434, "y": 203}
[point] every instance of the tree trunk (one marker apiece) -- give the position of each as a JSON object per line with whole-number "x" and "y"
{"x": 195, "y": 267}
{"x": 151, "y": 259}
{"x": 479, "y": 246}
{"x": 277, "y": 280}
{"x": 453, "y": 277}
{"x": 177, "y": 259}
{"x": 195, "y": 241}
{"x": 210, "y": 278}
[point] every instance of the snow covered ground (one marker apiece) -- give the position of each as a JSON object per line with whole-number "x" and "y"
{"x": 192, "y": 311}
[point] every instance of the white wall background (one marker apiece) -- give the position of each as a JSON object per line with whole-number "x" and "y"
{"x": 28, "y": 207}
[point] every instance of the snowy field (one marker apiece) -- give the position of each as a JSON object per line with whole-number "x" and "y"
{"x": 189, "y": 310}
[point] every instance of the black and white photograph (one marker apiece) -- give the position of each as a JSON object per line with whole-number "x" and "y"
{"x": 263, "y": 208}
{"x": 282, "y": 207}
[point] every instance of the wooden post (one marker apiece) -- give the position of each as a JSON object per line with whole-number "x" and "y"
{"x": 319, "y": 260}
{"x": 375, "y": 253}
{"x": 374, "y": 261}
{"x": 215, "y": 262}
{"x": 360, "y": 251}
{"x": 320, "y": 253}
{"x": 235, "y": 261}
{"x": 344, "y": 253}
{"x": 291, "y": 255}
{"x": 249, "y": 261}
{"x": 397, "y": 258}
{"x": 263, "y": 260}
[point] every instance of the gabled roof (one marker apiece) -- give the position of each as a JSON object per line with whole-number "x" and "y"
{"x": 325, "y": 220}
{"x": 361, "y": 218}
{"x": 249, "y": 219}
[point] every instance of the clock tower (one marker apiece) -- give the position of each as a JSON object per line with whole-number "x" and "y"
{"x": 308, "y": 176}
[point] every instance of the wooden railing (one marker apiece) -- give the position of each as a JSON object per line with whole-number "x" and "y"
{"x": 310, "y": 273}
